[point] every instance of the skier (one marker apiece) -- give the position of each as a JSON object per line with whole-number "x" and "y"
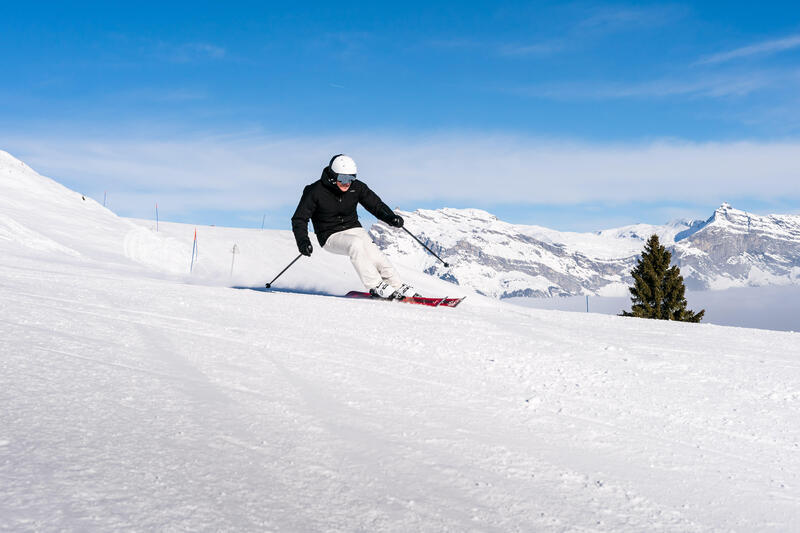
{"x": 331, "y": 204}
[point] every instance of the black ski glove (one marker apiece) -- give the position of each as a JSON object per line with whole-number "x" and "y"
{"x": 305, "y": 248}
{"x": 396, "y": 221}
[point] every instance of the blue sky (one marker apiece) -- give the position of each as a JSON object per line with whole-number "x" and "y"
{"x": 576, "y": 116}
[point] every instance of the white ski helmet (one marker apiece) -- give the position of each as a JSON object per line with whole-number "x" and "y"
{"x": 343, "y": 164}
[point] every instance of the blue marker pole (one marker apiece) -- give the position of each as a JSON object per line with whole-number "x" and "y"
{"x": 194, "y": 250}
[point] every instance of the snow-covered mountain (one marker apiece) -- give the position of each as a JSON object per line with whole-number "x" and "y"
{"x": 734, "y": 248}
{"x": 730, "y": 249}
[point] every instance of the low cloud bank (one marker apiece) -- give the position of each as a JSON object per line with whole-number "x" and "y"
{"x": 775, "y": 308}
{"x": 263, "y": 172}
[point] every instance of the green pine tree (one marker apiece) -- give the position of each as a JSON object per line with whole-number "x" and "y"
{"x": 658, "y": 290}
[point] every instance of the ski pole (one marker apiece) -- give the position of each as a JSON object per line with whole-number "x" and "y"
{"x": 284, "y": 270}
{"x": 424, "y": 246}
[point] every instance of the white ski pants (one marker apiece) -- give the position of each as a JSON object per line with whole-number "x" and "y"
{"x": 370, "y": 263}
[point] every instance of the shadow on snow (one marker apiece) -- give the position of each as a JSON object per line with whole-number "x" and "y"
{"x": 262, "y": 288}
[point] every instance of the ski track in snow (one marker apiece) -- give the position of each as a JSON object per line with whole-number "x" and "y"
{"x": 150, "y": 404}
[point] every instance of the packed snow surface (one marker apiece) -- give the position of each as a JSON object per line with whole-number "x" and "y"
{"x": 139, "y": 396}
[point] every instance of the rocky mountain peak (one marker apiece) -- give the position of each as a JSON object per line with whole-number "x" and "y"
{"x": 732, "y": 248}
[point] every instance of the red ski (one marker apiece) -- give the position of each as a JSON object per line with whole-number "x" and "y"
{"x": 431, "y": 302}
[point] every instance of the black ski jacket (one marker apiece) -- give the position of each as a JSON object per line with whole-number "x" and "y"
{"x": 332, "y": 210}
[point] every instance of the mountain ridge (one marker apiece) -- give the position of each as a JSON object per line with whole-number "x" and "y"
{"x": 732, "y": 248}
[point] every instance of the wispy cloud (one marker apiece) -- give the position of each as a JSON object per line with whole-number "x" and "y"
{"x": 781, "y": 117}
{"x": 758, "y": 49}
{"x": 162, "y": 95}
{"x": 268, "y": 172}
{"x": 345, "y": 45}
{"x": 716, "y": 86}
{"x": 454, "y": 44}
{"x": 505, "y": 49}
{"x": 123, "y": 45}
{"x": 187, "y": 52}
{"x": 612, "y": 19}
{"x": 584, "y": 26}
{"x": 532, "y": 49}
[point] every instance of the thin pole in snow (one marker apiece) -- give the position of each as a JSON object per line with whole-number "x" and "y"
{"x": 157, "y": 217}
{"x": 262, "y": 221}
{"x": 105, "y": 193}
{"x": 284, "y": 270}
{"x": 194, "y": 250}
{"x": 233, "y": 256}
{"x": 587, "y": 303}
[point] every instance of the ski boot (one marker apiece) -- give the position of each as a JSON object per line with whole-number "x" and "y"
{"x": 405, "y": 291}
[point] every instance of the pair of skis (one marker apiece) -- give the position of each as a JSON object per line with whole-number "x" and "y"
{"x": 418, "y": 300}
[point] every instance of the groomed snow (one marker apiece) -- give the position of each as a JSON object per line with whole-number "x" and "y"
{"x": 138, "y": 396}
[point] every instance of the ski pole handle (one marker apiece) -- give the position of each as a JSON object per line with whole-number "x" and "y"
{"x": 424, "y": 246}
{"x": 284, "y": 270}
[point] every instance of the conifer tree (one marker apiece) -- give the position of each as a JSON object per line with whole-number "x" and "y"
{"x": 658, "y": 290}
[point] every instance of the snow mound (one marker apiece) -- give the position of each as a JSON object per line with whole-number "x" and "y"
{"x": 11, "y": 230}
{"x": 43, "y": 214}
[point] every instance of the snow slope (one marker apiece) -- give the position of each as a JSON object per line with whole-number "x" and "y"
{"x": 145, "y": 398}
{"x": 40, "y": 217}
